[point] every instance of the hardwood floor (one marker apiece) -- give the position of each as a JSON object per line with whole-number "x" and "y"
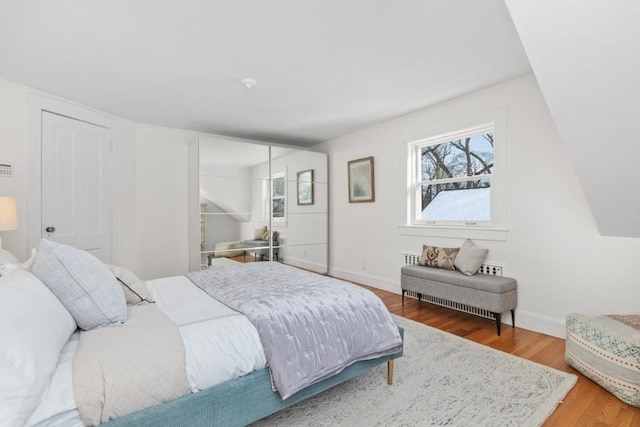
{"x": 587, "y": 404}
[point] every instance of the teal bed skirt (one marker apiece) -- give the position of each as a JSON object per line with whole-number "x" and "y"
{"x": 238, "y": 402}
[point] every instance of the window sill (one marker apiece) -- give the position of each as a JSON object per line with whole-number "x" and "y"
{"x": 475, "y": 233}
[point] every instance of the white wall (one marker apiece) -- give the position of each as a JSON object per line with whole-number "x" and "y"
{"x": 162, "y": 177}
{"x": 13, "y": 148}
{"x": 220, "y": 227}
{"x": 228, "y": 187}
{"x": 553, "y": 247}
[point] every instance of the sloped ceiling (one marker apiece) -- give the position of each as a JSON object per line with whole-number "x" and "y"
{"x": 586, "y": 58}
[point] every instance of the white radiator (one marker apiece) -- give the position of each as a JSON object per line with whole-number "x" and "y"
{"x": 495, "y": 270}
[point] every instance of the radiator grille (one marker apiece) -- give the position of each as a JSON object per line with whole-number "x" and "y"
{"x": 452, "y": 305}
{"x": 496, "y": 270}
{"x": 493, "y": 269}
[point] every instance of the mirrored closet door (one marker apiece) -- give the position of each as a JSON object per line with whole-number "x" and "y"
{"x": 261, "y": 203}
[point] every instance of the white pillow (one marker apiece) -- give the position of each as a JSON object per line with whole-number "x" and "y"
{"x": 7, "y": 257}
{"x": 135, "y": 290}
{"x": 470, "y": 258}
{"x": 8, "y": 262}
{"x": 84, "y": 285}
{"x": 34, "y": 327}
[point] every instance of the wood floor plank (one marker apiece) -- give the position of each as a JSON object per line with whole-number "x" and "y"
{"x": 587, "y": 404}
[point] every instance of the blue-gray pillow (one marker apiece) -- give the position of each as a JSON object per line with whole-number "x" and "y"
{"x": 82, "y": 283}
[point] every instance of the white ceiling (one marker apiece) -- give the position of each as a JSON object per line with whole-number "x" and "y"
{"x": 324, "y": 68}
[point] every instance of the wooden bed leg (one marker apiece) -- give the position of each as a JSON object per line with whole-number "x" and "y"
{"x": 390, "y": 372}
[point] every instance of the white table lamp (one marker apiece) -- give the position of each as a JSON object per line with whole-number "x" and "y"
{"x": 8, "y": 215}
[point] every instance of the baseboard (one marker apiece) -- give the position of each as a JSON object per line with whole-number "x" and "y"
{"x": 524, "y": 319}
{"x": 366, "y": 279}
{"x": 306, "y": 264}
{"x": 542, "y": 324}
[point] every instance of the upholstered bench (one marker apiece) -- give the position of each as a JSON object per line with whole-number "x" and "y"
{"x": 261, "y": 248}
{"x": 495, "y": 294}
{"x": 606, "y": 349}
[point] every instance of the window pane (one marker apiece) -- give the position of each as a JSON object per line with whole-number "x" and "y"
{"x": 458, "y": 158}
{"x": 278, "y": 208}
{"x": 278, "y": 187}
{"x": 458, "y": 201}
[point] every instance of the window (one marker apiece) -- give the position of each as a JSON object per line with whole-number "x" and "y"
{"x": 451, "y": 180}
{"x": 278, "y": 198}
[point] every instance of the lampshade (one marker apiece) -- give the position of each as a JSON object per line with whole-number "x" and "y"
{"x": 8, "y": 214}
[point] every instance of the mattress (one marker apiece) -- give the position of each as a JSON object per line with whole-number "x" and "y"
{"x": 221, "y": 344}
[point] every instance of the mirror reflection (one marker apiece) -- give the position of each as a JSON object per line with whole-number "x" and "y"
{"x": 259, "y": 203}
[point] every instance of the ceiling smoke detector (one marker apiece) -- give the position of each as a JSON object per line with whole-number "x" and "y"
{"x": 248, "y": 83}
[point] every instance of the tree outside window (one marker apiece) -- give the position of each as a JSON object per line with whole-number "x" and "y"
{"x": 278, "y": 197}
{"x": 454, "y": 178}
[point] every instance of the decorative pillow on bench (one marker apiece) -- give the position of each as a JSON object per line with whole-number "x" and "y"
{"x": 435, "y": 257}
{"x": 258, "y": 233}
{"x": 470, "y": 258}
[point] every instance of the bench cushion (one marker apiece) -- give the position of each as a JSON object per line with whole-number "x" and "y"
{"x": 482, "y": 282}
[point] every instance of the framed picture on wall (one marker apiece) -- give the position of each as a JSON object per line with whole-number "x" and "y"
{"x": 361, "y": 180}
{"x": 305, "y": 187}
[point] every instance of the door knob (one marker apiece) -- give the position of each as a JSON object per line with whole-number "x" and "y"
{"x": 50, "y": 229}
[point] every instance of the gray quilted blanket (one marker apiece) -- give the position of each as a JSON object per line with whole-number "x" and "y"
{"x": 311, "y": 326}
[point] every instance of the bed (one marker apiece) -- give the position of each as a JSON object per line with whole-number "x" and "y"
{"x": 236, "y": 390}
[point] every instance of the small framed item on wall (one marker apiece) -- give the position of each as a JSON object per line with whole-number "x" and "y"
{"x": 305, "y": 187}
{"x": 361, "y": 180}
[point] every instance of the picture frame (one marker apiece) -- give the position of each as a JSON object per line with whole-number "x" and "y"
{"x": 304, "y": 181}
{"x": 361, "y": 180}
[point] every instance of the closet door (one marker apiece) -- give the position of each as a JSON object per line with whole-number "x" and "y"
{"x": 231, "y": 187}
{"x": 303, "y": 227}
{"x": 76, "y": 164}
{"x": 250, "y": 195}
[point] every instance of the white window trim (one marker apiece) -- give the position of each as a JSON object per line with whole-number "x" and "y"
{"x": 268, "y": 199}
{"x": 416, "y": 185}
{"x": 497, "y": 229}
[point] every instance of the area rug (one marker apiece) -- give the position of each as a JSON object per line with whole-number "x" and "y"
{"x": 442, "y": 380}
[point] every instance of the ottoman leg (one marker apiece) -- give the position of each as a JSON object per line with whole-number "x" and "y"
{"x": 513, "y": 318}
{"x": 403, "y": 292}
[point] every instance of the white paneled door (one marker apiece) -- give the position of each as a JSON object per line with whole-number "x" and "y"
{"x": 76, "y": 163}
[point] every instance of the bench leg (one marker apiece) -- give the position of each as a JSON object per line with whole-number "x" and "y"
{"x": 513, "y": 318}
{"x": 419, "y": 298}
{"x": 403, "y": 292}
{"x": 498, "y": 317}
{"x": 390, "y": 372}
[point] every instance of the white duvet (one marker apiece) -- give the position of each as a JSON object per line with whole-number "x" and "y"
{"x": 220, "y": 343}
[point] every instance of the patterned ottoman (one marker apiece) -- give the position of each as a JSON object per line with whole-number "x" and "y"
{"x": 607, "y": 350}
